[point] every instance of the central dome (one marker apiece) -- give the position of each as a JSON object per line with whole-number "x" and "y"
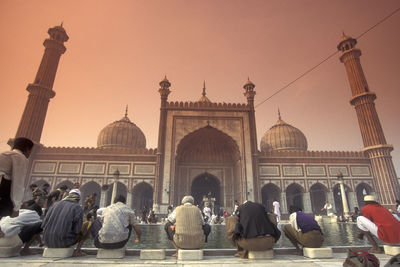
{"x": 283, "y": 136}
{"x": 121, "y": 134}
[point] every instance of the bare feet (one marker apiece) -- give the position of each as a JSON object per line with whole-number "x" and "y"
{"x": 237, "y": 255}
{"x": 360, "y": 235}
{"x": 174, "y": 255}
{"x": 299, "y": 251}
{"x": 377, "y": 250}
{"x": 78, "y": 253}
{"x": 27, "y": 251}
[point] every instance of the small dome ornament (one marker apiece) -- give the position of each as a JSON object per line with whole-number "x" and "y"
{"x": 165, "y": 84}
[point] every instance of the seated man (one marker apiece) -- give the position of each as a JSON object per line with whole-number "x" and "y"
{"x": 113, "y": 226}
{"x": 377, "y": 221}
{"x": 252, "y": 229}
{"x": 63, "y": 223}
{"x": 27, "y": 225}
{"x": 303, "y": 229}
{"x": 185, "y": 226}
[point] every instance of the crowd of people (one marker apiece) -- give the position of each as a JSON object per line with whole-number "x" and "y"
{"x": 57, "y": 220}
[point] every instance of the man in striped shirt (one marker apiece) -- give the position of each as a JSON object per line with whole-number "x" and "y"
{"x": 63, "y": 223}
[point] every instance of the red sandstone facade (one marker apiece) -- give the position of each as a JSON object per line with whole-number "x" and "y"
{"x": 210, "y": 150}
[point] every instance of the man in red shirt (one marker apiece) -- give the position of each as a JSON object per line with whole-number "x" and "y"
{"x": 377, "y": 221}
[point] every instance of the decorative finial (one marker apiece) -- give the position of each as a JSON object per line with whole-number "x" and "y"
{"x": 204, "y": 88}
{"x": 126, "y": 111}
{"x": 343, "y": 34}
{"x": 62, "y": 22}
{"x": 279, "y": 114}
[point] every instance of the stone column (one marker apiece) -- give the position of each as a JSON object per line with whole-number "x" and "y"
{"x": 344, "y": 199}
{"x": 307, "y": 202}
{"x": 284, "y": 208}
{"x": 352, "y": 200}
{"x": 103, "y": 198}
{"x": 129, "y": 198}
{"x": 331, "y": 200}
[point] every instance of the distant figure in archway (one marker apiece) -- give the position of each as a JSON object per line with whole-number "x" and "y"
{"x": 377, "y": 221}
{"x": 329, "y": 209}
{"x": 277, "y": 210}
{"x": 185, "y": 226}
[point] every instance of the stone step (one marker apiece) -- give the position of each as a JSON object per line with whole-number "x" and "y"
{"x": 190, "y": 254}
{"x": 58, "y": 252}
{"x": 261, "y": 255}
{"x": 317, "y": 253}
{"x": 10, "y": 246}
{"x": 111, "y": 253}
{"x": 152, "y": 254}
{"x": 391, "y": 249}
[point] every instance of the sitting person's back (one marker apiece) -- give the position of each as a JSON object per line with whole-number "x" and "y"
{"x": 303, "y": 229}
{"x": 252, "y": 230}
{"x": 112, "y": 229}
{"x": 63, "y": 222}
{"x": 189, "y": 227}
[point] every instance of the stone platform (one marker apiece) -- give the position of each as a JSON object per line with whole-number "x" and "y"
{"x": 278, "y": 261}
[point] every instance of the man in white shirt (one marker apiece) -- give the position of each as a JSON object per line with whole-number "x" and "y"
{"x": 329, "y": 209}
{"x": 207, "y": 212}
{"x": 277, "y": 210}
{"x": 13, "y": 170}
{"x": 114, "y": 224}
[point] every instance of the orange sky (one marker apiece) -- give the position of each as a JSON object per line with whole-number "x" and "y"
{"x": 118, "y": 52}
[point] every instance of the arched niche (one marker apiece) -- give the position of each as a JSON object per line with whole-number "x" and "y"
{"x": 269, "y": 193}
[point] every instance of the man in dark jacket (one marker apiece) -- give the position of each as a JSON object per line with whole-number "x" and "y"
{"x": 252, "y": 229}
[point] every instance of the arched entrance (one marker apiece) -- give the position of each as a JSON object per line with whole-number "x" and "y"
{"x": 362, "y": 189}
{"x": 89, "y": 189}
{"x": 318, "y": 197}
{"x": 337, "y": 196}
{"x": 69, "y": 184}
{"x": 206, "y": 186}
{"x": 294, "y": 196}
{"x": 142, "y": 197}
{"x": 269, "y": 193}
{"x": 200, "y": 153}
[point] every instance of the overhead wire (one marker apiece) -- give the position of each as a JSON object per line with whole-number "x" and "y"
{"x": 325, "y": 59}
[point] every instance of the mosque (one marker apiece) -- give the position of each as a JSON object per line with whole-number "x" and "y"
{"x": 209, "y": 150}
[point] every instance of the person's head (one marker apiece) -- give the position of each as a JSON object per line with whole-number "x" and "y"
{"x": 35, "y": 207}
{"x": 24, "y": 145}
{"x": 356, "y": 209}
{"x": 187, "y": 199}
{"x": 46, "y": 186}
{"x": 327, "y": 202}
{"x": 294, "y": 209}
{"x": 369, "y": 199}
{"x": 63, "y": 188}
{"x": 33, "y": 187}
{"x": 75, "y": 194}
{"x": 397, "y": 202}
{"x": 120, "y": 198}
{"x": 76, "y": 185}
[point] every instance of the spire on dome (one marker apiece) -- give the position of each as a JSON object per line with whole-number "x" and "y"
{"x": 279, "y": 114}
{"x": 126, "y": 111}
{"x": 204, "y": 98}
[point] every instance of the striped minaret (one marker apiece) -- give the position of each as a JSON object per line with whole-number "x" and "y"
{"x": 375, "y": 145}
{"x": 41, "y": 90}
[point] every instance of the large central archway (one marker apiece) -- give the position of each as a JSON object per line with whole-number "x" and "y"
{"x": 203, "y": 155}
{"x": 206, "y": 186}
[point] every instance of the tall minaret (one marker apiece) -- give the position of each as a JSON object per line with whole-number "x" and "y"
{"x": 158, "y": 192}
{"x": 249, "y": 94}
{"x": 41, "y": 90}
{"x": 375, "y": 145}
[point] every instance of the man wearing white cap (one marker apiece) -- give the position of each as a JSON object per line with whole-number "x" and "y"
{"x": 377, "y": 221}
{"x": 63, "y": 222}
